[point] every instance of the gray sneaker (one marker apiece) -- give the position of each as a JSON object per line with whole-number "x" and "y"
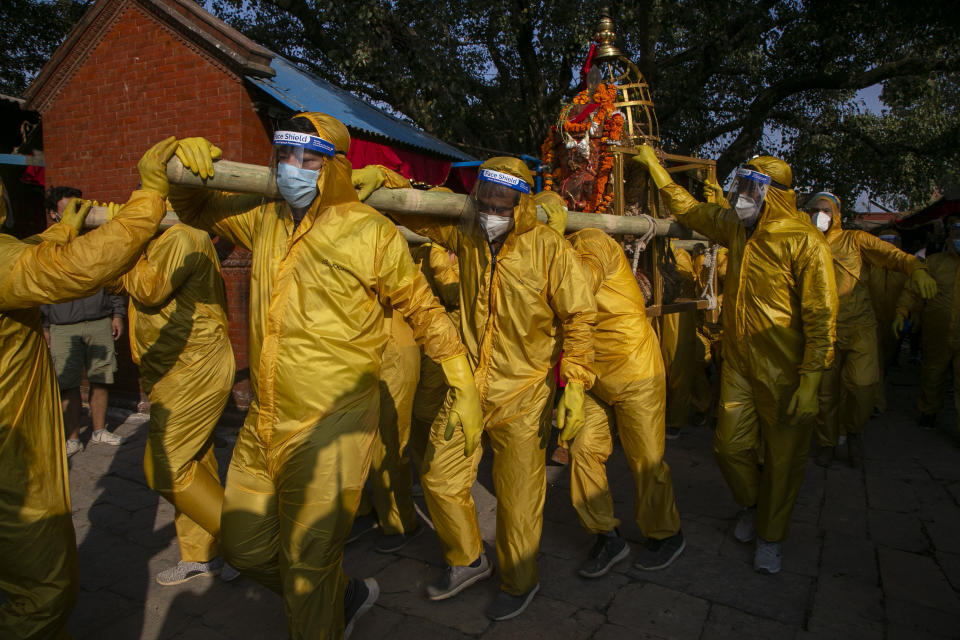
{"x": 359, "y": 598}
{"x": 607, "y": 551}
{"x": 746, "y": 529}
{"x": 660, "y": 554}
{"x": 506, "y": 606}
{"x": 74, "y": 446}
{"x": 766, "y": 558}
{"x": 102, "y": 436}
{"x": 388, "y": 543}
{"x": 456, "y": 579}
{"x": 184, "y": 571}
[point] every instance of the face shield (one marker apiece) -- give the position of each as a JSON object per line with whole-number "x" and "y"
{"x": 747, "y": 194}
{"x": 494, "y": 198}
{"x": 297, "y": 161}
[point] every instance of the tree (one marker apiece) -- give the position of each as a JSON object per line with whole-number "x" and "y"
{"x": 32, "y": 30}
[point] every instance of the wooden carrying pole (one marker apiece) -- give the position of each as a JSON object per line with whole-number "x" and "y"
{"x": 238, "y": 177}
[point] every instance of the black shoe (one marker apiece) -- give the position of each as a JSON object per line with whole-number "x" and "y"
{"x": 360, "y": 596}
{"x": 506, "y": 606}
{"x": 361, "y": 525}
{"x": 854, "y": 450}
{"x": 660, "y": 554}
{"x": 825, "y": 457}
{"x": 388, "y": 543}
{"x": 607, "y": 551}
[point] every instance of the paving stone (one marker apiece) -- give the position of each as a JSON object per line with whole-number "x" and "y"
{"x": 851, "y": 556}
{"x": 380, "y": 623}
{"x": 616, "y": 632}
{"x": 547, "y": 619}
{"x": 256, "y": 612}
{"x": 921, "y": 620}
{"x": 87, "y": 618}
{"x": 847, "y": 607}
{"x": 659, "y": 611}
{"x": 559, "y": 580}
{"x": 916, "y": 579}
{"x": 801, "y": 551}
{"x": 944, "y": 529}
{"x": 897, "y": 530}
{"x": 891, "y": 494}
{"x": 704, "y": 532}
{"x": 725, "y": 623}
{"x": 950, "y": 564}
{"x": 781, "y": 597}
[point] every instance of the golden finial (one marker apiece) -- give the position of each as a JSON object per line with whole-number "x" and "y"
{"x": 605, "y": 37}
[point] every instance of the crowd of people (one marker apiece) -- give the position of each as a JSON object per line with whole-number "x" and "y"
{"x": 370, "y": 359}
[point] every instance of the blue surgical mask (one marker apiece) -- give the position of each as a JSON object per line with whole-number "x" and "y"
{"x": 297, "y": 186}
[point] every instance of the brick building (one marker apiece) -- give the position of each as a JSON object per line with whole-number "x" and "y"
{"x": 133, "y": 72}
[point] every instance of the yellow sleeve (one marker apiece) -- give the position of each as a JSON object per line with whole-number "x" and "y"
{"x": 402, "y": 286}
{"x": 446, "y": 275}
{"x": 594, "y": 259}
{"x": 885, "y": 255}
{"x": 571, "y": 299}
{"x": 716, "y": 223}
{"x": 817, "y": 285}
{"x": 234, "y": 216}
{"x": 165, "y": 265}
{"x": 58, "y": 233}
{"x": 47, "y": 272}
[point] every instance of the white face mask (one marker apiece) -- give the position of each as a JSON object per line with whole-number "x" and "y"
{"x": 822, "y": 221}
{"x": 297, "y": 186}
{"x": 494, "y": 226}
{"x": 747, "y": 210}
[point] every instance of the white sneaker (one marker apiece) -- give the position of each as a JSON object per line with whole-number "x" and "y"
{"x": 456, "y": 579}
{"x": 103, "y": 436}
{"x": 746, "y": 530}
{"x": 766, "y": 559}
{"x": 73, "y": 446}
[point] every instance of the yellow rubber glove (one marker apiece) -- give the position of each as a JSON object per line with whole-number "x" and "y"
{"x": 714, "y": 193}
{"x": 805, "y": 402}
{"x": 368, "y": 180}
{"x": 75, "y": 213}
{"x": 466, "y": 412}
{"x": 556, "y": 216}
{"x": 898, "y": 321}
{"x": 153, "y": 167}
{"x": 113, "y": 208}
{"x": 198, "y": 155}
{"x": 923, "y": 283}
{"x": 648, "y": 158}
{"x": 570, "y": 416}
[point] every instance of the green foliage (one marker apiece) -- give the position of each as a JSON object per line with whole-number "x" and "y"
{"x": 32, "y": 30}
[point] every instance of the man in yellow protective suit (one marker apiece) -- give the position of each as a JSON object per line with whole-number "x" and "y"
{"x": 940, "y": 336}
{"x": 779, "y": 313}
{"x": 324, "y": 268}
{"x": 629, "y": 393}
{"x": 885, "y": 289}
{"x": 851, "y": 381}
{"x": 521, "y": 290}
{"x": 38, "y": 556}
{"x": 179, "y": 339}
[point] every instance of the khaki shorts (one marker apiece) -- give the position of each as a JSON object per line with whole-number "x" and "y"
{"x": 83, "y": 345}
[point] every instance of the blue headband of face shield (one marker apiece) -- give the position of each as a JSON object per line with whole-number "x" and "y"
{"x": 305, "y": 141}
{"x": 504, "y": 179}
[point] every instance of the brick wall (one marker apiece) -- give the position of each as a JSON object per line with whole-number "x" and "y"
{"x": 141, "y": 84}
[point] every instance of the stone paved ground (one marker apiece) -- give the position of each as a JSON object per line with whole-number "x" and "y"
{"x": 873, "y": 553}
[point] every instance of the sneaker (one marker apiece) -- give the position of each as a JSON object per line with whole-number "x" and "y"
{"x": 361, "y": 525}
{"x": 73, "y": 446}
{"x": 506, "y": 606}
{"x": 673, "y": 433}
{"x": 660, "y": 554}
{"x": 102, "y": 436}
{"x": 228, "y": 573}
{"x": 397, "y": 541}
{"x": 184, "y": 571}
{"x": 359, "y": 598}
{"x": 854, "y": 450}
{"x": 825, "y": 457}
{"x": 746, "y": 530}
{"x": 456, "y": 579}
{"x": 766, "y": 559}
{"x": 608, "y": 550}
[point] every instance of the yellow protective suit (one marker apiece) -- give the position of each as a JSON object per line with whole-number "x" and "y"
{"x": 515, "y": 308}
{"x": 940, "y": 337}
{"x": 678, "y": 344}
{"x": 780, "y": 306}
{"x": 179, "y": 339}
{"x": 850, "y": 382}
{"x": 885, "y": 288}
{"x": 629, "y": 392}
{"x": 38, "y": 570}
{"x": 439, "y": 266}
{"x": 317, "y": 297}
{"x": 391, "y": 477}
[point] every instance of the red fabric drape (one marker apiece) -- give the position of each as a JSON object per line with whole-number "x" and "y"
{"x": 410, "y": 164}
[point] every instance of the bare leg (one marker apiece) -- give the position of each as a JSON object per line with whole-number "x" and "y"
{"x": 70, "y": 401}
{"x": 98, "y": 406}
